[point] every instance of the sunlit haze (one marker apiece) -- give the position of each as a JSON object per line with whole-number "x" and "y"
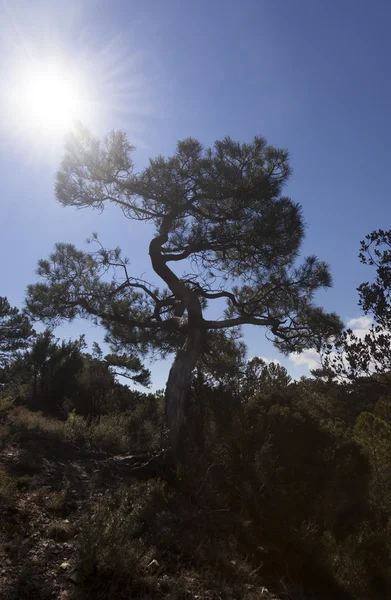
{"x": 54, "y": 75}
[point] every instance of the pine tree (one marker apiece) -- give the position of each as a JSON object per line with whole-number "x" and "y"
{"x": 221, "y": 219}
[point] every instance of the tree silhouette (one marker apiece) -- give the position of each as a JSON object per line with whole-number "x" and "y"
{"x": 353, "y": 356}
{"x": 15, "y": 330}
{"x": 221, "y": 219}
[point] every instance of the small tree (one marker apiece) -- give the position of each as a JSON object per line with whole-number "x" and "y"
{"x": 15, "y": 331}
{"x": 260, "y": 376}
{"x": 52, "y": 367}
{"x": 98, "y": 391}
{"x": 354, "y": 356}
{"x": 220, "y": 215}
{"x": 372, "y": 431}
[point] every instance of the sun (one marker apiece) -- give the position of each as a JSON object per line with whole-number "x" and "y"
{"x": 43, "y": 99}
{"x": 49, "y": 84}
{"x": 50, "y": 98}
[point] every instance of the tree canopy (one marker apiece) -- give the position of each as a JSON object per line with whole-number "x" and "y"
{"x": 220, "y": 217}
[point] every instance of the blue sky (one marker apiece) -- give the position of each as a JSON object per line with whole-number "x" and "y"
{"x": 308, "y": 75}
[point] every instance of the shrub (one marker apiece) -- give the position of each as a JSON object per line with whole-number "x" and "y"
{"x": 113, "y": 558}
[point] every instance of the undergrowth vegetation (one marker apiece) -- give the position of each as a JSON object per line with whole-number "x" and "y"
{"x": 286, "y": 490}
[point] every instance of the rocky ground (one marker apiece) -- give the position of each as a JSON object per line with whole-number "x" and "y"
{"x": 47, "y": 484}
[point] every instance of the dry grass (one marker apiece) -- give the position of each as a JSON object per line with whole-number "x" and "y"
{"x": 36, "y": 420}
{"x": 7, "y": 488}
{"x": 54, "y": 501}
{"x": 142, "y": 542}
{"x": 117, "y": 434}
{"x": 60, "y": 530}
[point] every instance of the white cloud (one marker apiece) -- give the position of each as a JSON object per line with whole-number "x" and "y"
{"x": 308, "y": 358}
{"x": 360, "y": 324}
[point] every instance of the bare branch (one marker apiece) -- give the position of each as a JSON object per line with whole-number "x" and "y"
{"x": 243, "y": 320}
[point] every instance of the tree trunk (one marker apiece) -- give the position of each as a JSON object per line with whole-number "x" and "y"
{"x": 177, "y": 388}
{"x": 179, "y": 378}
{"x": 35, "y": 380}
